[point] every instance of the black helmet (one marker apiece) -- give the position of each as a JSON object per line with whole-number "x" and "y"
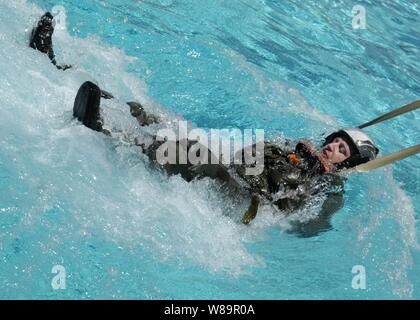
{"x": 362, "y": 148}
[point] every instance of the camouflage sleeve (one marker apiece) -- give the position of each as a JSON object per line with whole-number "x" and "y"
{"x": 296, "y": 190}
{"x": 331, "y": 186}
{"x": 322, "y": 222}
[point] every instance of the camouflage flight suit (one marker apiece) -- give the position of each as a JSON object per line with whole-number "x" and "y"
{"x": 288, "y": 184}
{"x": 282, "y": 183}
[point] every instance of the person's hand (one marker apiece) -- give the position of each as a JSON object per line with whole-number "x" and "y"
{"x": 64, "y": 67}
{"x": 106, "y": 95}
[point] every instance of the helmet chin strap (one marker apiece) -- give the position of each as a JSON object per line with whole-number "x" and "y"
{"x": 315, "y": 163}
{"x": 350, "y": 162}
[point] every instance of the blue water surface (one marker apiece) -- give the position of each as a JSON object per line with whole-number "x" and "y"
{"x": 293, "y": 68}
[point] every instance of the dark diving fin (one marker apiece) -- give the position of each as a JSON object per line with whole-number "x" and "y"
{"x": 86, "y": 106}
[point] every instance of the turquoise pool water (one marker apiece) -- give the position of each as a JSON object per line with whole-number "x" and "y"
{"x": 72, "y": 197}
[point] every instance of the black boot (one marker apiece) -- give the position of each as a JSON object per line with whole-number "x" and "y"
{"x": 41, "y": 39}
{"x": 42, "y": 35}
{"x": 86, "y": 106}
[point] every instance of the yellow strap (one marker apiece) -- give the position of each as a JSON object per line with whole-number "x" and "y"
{"x": 251, "y": 213}
{"x": 407, "y": 108}
{"x": 383, "y": 161}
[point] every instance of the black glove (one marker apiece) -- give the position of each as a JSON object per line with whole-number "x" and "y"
{"x": 64, "y": 67}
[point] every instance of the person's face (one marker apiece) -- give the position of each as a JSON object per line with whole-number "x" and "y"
{"x": 336, "y": 151}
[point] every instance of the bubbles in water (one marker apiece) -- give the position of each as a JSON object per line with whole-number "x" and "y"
{"x": 60, "y": 17}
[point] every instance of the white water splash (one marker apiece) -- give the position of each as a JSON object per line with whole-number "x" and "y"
{"x": 106, "y": 186}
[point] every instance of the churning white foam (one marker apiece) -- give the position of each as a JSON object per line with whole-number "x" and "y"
{"x": 107, "y": 186}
